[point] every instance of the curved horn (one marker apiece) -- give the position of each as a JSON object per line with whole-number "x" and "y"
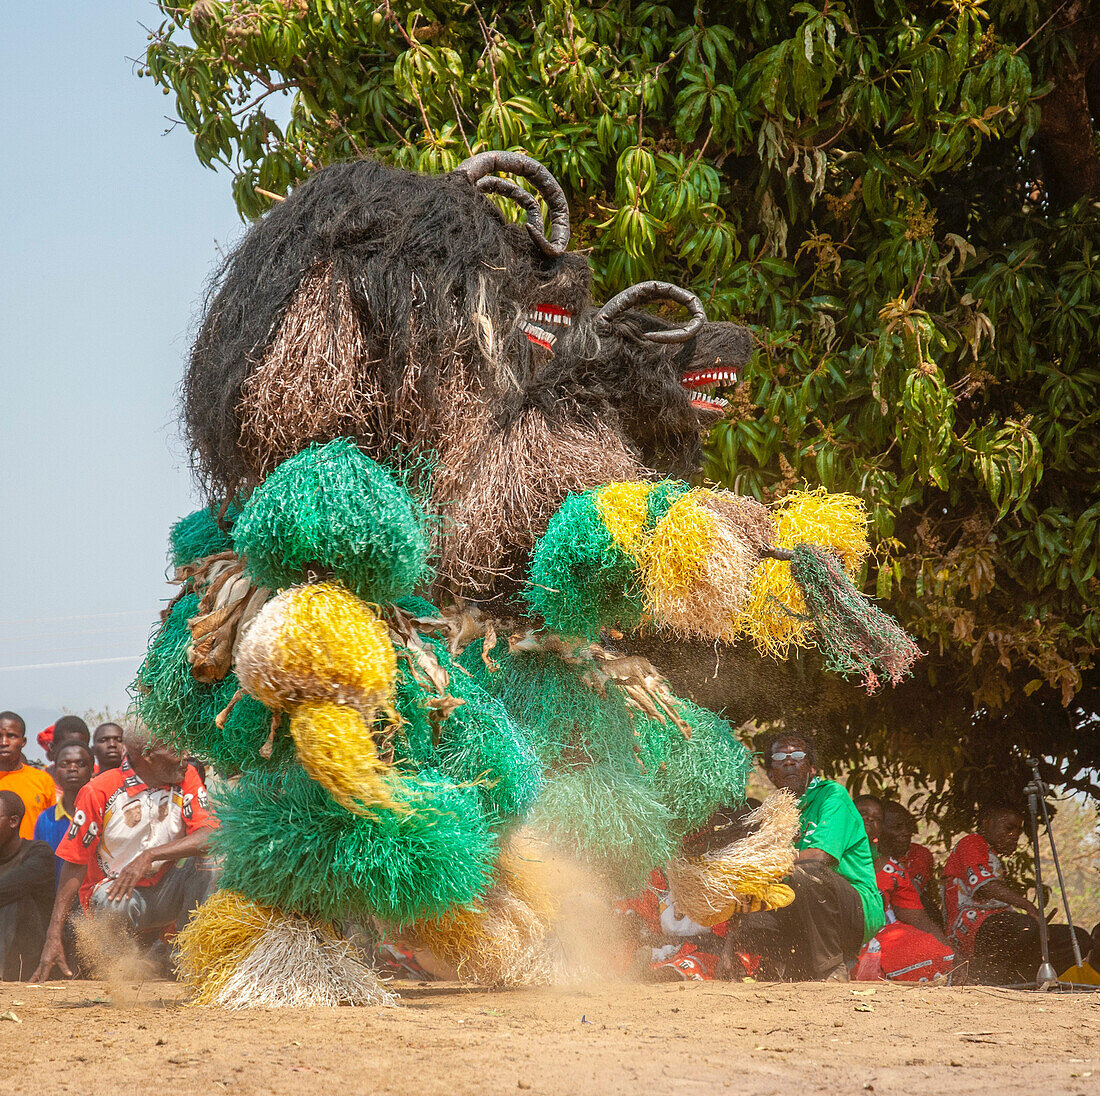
{"x": 494, "y": 184}
{"x": 652, "y": 291}
{"x": 517, "y": 163}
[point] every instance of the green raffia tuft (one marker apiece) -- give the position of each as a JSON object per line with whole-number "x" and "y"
{"x": 563, "y": 716}
{"x": 199, "y": 535}
{"x": 580, "y": 580}
{"x": 702, "y": 773}
{"x": 417, "y": 606}
{"x": 478, "y": 743}
{"x": 854, "y": 635}
{"x": 659, "y": 501}
{"x": 330, "y": 508}
{"x": 181, "y": 710}
{"x": 287, "y": 844}
{"x": 608, "y": 817}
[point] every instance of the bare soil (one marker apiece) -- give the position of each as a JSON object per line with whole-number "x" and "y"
{"x": 449, "y": 1039}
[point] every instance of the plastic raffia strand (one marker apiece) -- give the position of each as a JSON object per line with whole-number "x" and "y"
{"x": 854, "y": 635}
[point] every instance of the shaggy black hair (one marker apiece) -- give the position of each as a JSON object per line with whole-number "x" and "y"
{"x": 624, "y": 378}
{"x": 437, "y": 279}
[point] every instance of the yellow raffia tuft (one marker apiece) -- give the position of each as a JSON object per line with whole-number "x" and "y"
{"x": 336, "y": 748}
{"x": 746, "y": 875}
{"x": 320, "y": 653}
{"x": 219, "y": 935}
{"x": 503, "y": 939}
{"x": 318, "y": 642}
{"x": 771, "y": 613}
{"x": 674, "y": 554}
{"x": 234, "y": 953}
{"x": 712, "y": 601}
{"x": 815, "y": 517}
{"x": 622, "y": 509}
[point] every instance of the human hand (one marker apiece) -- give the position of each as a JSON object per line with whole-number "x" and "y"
{"x": 1032, "y": 910}
{"x": 122, "y": 886}
{"x": 53, "y": 955}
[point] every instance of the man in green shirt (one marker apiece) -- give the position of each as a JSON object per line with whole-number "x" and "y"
{"x": 837, "y": 906}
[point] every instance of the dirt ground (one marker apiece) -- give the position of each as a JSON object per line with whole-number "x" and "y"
{"x": 448, "y": 1039}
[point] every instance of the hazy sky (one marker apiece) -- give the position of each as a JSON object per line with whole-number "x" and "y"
{"x": 110, "y": 230}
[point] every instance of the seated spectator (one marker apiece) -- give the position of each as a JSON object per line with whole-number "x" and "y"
{"x": 899, "y": 828}
{"x": 26, "y": 892}
{"x": 32, "y": 785}
{"x": 910, "y": 946}
{"x": 980, "y": 908}
{"x": 132, "y": 828}
{"x": 107, "y": 746}
{"x": 69, "y": 728}
{"x": 1087, "y": 973}
{"x": 837, "y": 907}
{"x": 74, "y": 770}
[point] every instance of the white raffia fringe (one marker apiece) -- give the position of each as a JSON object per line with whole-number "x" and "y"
{"x": 297, "y": 963}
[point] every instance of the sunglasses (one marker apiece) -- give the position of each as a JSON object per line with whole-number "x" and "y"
{"x": 793, "y": 755}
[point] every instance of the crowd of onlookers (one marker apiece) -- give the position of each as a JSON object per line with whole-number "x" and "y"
{"x": 116, "y": 826}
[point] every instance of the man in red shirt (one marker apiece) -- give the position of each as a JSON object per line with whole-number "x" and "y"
{"x": 131, "y": 827}
{"x": 910, "y": 947}
{"x": 899, "y": 828}
{"x": 980, "y": 908}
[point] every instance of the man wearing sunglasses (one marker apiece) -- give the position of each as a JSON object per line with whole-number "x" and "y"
{"x": 837, "y": 906}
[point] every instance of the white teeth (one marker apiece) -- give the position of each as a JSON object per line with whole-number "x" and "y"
{"x": 538, "y": 332}
{"x": 541, "y": 316}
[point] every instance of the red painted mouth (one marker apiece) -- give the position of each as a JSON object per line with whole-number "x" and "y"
{"x": 539, "y": 323}
{"x": 704, "y": 385}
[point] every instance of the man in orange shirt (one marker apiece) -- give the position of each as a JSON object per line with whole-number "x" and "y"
{"x": 33, "y": 786}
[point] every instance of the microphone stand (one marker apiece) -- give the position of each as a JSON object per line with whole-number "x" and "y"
{"x": 1041, "y": 789}
{"x": 1046, "y": 977}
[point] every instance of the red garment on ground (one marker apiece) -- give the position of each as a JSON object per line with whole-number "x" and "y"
{"x": 909, "y": 955}
{"x": 919, "y": 866}
{"x": 690, "y": 963}
{"x": 118, "y": 816}
{"x": 970, "y": 866}
{"x": 906, "y": 954}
